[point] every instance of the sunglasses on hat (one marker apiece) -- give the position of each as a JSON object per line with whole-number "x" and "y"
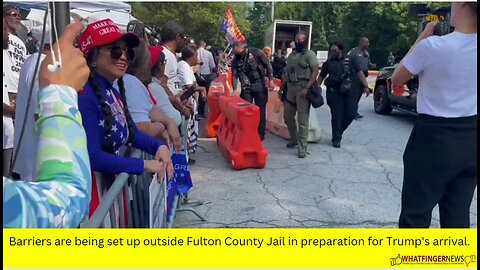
{"x": 116, "y": 53}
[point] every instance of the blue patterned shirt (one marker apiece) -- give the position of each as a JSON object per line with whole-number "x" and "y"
{"x": 61, "y": 196}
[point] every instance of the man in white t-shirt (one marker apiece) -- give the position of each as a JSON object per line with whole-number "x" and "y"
{"x": 173, "y": 37}
{"x": 8, "y": 113}
{"x": 16, "y": 53}
{"x": 440, "y": 159}
{"x": 26, "y": 149}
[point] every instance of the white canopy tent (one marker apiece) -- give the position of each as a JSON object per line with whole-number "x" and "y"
{"x": 117, "y": 11}
{"x": 119, "y": 17}
{"x": 90, "y": 5}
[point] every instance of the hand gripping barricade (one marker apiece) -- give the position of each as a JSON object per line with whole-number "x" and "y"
{"x": 140, "y": 201}
{"x": 213, "y": 119}
{"x": 238, "y": 137}
{"x": 275, "y": 122}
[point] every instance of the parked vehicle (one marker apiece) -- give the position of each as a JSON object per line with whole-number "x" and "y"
{"x": 399, "y": 97}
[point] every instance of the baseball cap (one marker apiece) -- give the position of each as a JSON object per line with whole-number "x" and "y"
{"x": 155, "y": 52}
{"x": 136, "y": 27}
{"x": 104, "y": 32}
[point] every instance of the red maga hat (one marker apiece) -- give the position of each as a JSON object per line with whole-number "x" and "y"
{"x": 155, "y": 52}
{"x": 104, "y": 32}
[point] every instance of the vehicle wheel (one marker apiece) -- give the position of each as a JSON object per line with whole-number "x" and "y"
{"x": 381, "y": 102}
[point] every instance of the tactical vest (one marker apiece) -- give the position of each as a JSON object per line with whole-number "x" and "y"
{"x": 250, "y": 66}
{"x": 298, "y": 68}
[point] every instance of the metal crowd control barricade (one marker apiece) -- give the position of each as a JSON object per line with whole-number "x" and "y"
{"x": 138, "y": 202}
{"x": 182, "y": 204}
{"x": 136, "y": 189}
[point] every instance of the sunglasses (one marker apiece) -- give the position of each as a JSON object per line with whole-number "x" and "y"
{"x": 14, "y": 14}
{"x": 185, "y": 38}
{"x": 116, "y": 53}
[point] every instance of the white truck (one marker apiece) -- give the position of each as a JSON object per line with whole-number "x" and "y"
{"x": 281, "y": 33}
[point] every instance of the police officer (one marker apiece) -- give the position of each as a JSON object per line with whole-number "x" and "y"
{"x": 301, "y": 73}
{"x": 248, "y": 66}
{"x": 343, "y": 106}
{"x": 361, "y": 62}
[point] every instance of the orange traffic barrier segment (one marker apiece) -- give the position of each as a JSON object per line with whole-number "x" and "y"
{"x": 214, "y": 116}
{"x": 238, "y": 137}
{"x": 223, "y": 79}
{"x": 229, "y": 82}
{"x": 373, "y": 73}
{"x": 275, "y": 121}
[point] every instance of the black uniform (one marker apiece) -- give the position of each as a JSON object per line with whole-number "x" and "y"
{"x": 360, "y": 60}
{"x": 278, "y": 65}
{"x": 249, "y": 69}
{"x": 342, "y": 106}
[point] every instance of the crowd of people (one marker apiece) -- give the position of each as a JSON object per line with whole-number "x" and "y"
{"x": 135, "y": 95}
{"x": 115, "y": 89}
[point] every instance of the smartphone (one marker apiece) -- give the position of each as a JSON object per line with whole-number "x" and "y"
{"x": 190, "y": 91}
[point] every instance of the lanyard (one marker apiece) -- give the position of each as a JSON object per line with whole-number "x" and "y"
{"x": 152, "y": 98}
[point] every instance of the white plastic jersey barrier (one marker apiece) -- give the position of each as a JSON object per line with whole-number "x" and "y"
{"x": 276, "y": 125}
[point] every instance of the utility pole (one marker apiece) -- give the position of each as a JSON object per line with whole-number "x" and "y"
{"x": 273, "y": 10}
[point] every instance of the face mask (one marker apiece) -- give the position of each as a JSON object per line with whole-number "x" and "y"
{"x": 336, "y": 55}
{"x": 299, "y": 46}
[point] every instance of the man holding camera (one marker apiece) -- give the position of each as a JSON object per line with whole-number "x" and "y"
{"x": 440, "y": 159}
{"x": 248, "y": 66}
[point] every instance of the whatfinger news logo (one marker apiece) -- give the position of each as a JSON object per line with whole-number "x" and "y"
{"x": 433, "y": 259}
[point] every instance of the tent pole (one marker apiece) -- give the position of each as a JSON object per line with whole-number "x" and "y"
{"x": 62, "y": 17}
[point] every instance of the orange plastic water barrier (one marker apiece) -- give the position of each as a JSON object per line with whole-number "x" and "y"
{"x": 214, "y": 115}
{"x": 238, "y": 137}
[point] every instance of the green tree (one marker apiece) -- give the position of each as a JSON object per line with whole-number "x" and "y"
{"x": 201, "y": 20}
{"x": 386, "y": 24}
{"x": 260, "y": 18}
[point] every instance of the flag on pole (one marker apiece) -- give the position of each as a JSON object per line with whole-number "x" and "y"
{"x": 229, "y": 26}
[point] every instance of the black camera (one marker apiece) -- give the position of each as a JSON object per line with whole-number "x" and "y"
{"x": 429, "y": 14}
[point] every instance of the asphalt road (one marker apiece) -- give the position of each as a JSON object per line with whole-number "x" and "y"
{"x": 357, "y": 185}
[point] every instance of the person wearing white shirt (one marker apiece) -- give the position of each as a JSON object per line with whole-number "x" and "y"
{"x": 187, "y": 80}
{"x": 174, "y": 39}
{"x": 440, "y": 159}
{"x": 26, "y": 149}
{"x": 207, "y": 66}
{"x": 173, "y": 42}
{"x": 8, "y": 112}
{"x": 14, "y": 56}
{"x": 207, "y": 63}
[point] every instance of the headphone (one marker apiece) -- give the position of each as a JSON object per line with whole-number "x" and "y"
{"x": 56, "y": 66}
{"x": 57, "y": 63}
